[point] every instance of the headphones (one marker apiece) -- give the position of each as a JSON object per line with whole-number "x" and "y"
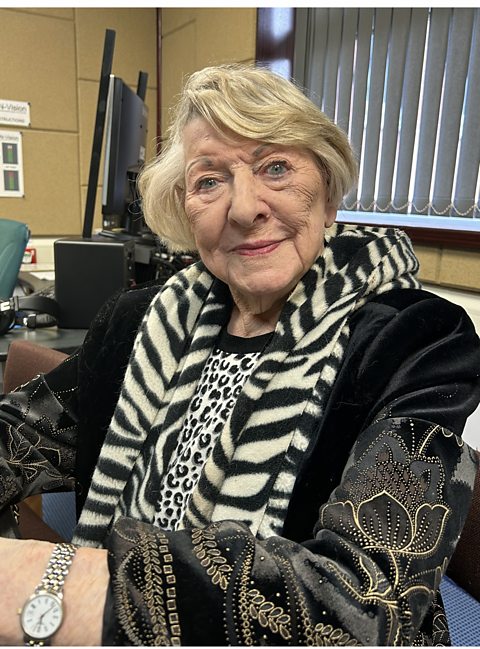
{"x": 31, "y": 311}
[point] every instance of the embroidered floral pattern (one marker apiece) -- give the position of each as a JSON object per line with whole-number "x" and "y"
{"x": 24, "y": 455}
{"x": 38, "y": 451}
{"x": 389, "y": 518}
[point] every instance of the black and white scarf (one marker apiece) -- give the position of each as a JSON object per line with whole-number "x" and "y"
{"x": 250, "y": 473}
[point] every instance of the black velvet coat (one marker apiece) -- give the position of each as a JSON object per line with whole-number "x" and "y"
{"x": 364, "y": 570}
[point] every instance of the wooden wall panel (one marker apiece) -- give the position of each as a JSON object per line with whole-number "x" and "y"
{"x": 460, "y": 268}
{"x": 38, "y": 65}
{"x": 54, "y": 12}
{"x": 175, "y": 67}
{"x": 193, "y": 38}
{"x": 52, "y": 193}
{"x": 429, "y": 259}
{"x": 225, "y": 35}
{"x": 173, "y": 19}
{"x": 135, "y": 42}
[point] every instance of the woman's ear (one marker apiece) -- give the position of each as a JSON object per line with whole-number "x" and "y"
{"x": 330, "y": 215}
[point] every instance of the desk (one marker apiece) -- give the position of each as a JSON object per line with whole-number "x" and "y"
{"x": 64, "y": 340}
{"x": 37, "y": 284}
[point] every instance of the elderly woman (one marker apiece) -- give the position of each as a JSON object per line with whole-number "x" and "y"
{"x": 266, "y": 450}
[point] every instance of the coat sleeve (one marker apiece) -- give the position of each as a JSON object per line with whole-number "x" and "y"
{"x": 42, "y": 421}
{"x": 39, "y": 424}
{"x": 370, "y": 572}
{"x": 38, "y": 435}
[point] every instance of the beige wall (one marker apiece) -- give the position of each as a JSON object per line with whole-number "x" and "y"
{"x": 194, "y": 38}
{"x": 449, "y": 267}
{"x": 52, "y": 59}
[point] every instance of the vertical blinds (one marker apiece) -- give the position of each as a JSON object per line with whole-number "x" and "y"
{"x": 404, "y": 83}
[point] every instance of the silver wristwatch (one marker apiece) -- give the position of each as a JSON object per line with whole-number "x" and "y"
{"x": 42, "y": 613}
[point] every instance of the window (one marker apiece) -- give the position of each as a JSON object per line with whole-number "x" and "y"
{"x": 404, "y": 83}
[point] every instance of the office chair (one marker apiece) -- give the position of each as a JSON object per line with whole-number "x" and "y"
{"x": 13, "y": 241}
{"x": 460, "y": 587}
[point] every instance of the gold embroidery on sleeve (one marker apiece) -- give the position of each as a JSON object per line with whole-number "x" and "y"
{"x": 205, "y": 549}
{"x": 326, "y": 636}
{"x": 269, "y": 615}
{"x": 151, "y": 567}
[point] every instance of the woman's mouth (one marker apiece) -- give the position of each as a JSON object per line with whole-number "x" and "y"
{"x": 256, "y": 248}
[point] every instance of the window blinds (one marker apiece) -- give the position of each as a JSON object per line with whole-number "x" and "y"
{"x": 404, "y": 83}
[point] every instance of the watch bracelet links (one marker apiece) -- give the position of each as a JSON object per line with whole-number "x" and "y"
{"x": 57, "y": 568}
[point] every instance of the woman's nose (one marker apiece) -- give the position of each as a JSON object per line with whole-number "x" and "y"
{"x": 246, "y": 205}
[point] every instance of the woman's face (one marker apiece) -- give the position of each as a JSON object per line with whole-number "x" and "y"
{"x": 257, "y": 212}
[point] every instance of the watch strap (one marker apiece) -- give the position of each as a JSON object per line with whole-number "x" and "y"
{"x": 57, "y": 568}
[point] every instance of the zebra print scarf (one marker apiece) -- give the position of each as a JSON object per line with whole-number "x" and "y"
{"x": 250, "y": 473}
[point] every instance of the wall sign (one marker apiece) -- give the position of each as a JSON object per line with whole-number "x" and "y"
{"x": 14, "y": 113}
{"x": 11, "y": 164}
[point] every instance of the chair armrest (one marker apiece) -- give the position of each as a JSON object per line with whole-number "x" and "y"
{"x": 464, "y": 567}
{"x": 33, "y": 527}
{"x": 26, "y": 359}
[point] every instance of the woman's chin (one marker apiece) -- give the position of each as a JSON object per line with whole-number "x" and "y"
{"x": 261, "y": 294}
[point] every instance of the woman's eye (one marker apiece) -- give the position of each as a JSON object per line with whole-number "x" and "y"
{"x": 277, "y": 168}
{"x": 206, "y": 183}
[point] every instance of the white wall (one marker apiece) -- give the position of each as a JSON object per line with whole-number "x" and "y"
{"x": 471, "y": 303}
{"x": 468, "y": 300}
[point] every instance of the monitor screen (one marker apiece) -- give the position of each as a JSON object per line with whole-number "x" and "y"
{"x": 125, "y": 145}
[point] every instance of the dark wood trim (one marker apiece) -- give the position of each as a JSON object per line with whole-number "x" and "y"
{"x": 159, "y": 78}
{"x": 270, "y": 49}
{"x": 449, "y": 238}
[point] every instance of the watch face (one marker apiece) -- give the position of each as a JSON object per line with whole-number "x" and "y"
{"x": 42, "y": 615}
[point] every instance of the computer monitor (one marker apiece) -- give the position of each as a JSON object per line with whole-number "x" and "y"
{"x": 125, "y": 146}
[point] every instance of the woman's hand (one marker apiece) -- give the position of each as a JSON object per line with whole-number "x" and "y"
{"x": 23, "y": 564}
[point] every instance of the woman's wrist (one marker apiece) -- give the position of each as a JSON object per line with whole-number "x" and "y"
{"x": 23, "y": 565}
{"x": 84, "y": 597}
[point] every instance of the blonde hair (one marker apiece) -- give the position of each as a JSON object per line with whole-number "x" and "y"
{"x": 254, "y": 103}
